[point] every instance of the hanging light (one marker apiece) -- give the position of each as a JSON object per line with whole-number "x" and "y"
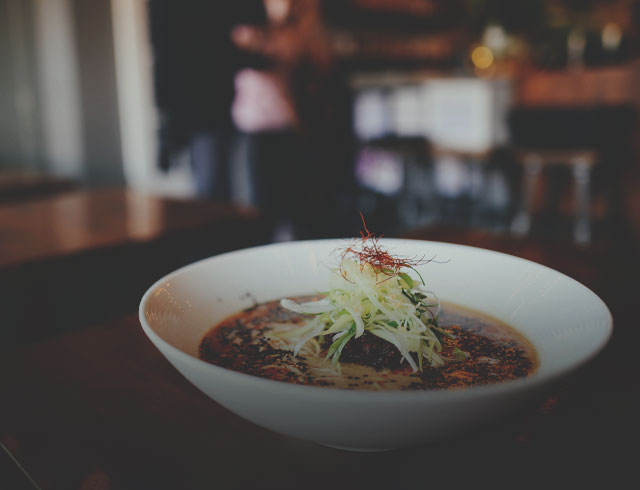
{"x": 611, "y": 36}
{"x": 482, "y": 57}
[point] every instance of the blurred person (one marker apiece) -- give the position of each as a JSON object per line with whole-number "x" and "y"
{"x": 299, "y": 113}
{"x": 195, "y": 61}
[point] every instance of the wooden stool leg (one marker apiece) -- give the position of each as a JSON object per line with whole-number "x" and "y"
{"x": 522, "y": 222}
{"x": 476, "y": 190}
{"x": 409, "y": 201}
{"x": 582, "y": 179}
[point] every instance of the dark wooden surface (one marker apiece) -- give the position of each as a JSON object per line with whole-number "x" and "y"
{"x": 80, "y": 221}
{"x": 22, "y": 186}
{"x": 100, "y": 408}
{"x": 87, "y": 256}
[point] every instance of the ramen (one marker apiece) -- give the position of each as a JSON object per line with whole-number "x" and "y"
{"x": 476, "y": 349}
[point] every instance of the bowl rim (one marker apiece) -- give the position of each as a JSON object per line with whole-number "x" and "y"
{"x": 520, "y": 384}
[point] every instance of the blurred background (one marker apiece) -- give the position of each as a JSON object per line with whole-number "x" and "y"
{"x": 138, "y": 136}
{"x": 515, "y": 117}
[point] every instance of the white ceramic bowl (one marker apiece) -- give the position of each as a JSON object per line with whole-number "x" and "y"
{"x": 566, "y": 322}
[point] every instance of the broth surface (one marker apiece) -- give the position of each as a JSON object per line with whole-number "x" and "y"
{"x": 250, "y": 342}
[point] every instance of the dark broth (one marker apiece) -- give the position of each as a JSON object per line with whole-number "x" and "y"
{"x": 249, "y": 342}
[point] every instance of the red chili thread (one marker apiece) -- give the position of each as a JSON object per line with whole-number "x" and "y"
{"x": 367, "y": 250}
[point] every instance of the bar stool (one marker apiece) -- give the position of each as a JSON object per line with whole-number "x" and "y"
{"x": 582, "y": 162}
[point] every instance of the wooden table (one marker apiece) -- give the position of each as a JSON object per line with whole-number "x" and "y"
{"x": 18, "y": 186}
{"x": 100, "y": 408}
{"x": 86, "y": 256}
{"x": 88, "y": 220}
